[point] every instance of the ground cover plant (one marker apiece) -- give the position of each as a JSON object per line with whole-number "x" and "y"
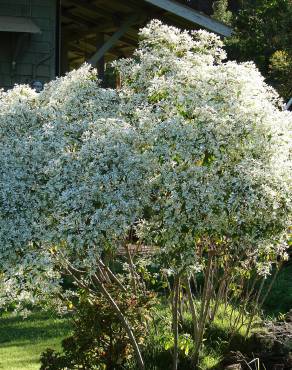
{"x": 190, "y": 157}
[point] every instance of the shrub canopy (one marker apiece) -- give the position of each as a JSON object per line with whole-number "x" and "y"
{"x": 191, "y": 154}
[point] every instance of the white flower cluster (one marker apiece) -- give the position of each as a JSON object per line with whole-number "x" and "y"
{"x": 220, "y": 141}
{"x": 189, "y": 147}
{"x": 72, "y": 180}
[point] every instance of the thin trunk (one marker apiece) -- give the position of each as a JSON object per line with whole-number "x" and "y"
{"x": 270, "y": 285}
{"x": 250, "y": 292}
{"x": 123, "y": 321}
{"x": 192, "y": 308}
{"x": 103, "y": 275}
{"x": 204, "y": 319}
{"x": 195, "y": 285}
{"x": 175, "y": 320}
{"x": 73, "y": 271}
{"x": 205, "y": 304}
{"x": 180, "y": 308}
{"x": 234, "y": 326}
{"x": 218, "y": 297}
{"x": 132, "y": 269}
{"x": 112, "y": 275}
{"x": 255, "y": 306}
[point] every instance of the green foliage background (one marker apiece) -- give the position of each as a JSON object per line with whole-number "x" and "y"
{"x": 263, "y": 34}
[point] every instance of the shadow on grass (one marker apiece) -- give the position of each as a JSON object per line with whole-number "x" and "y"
{"x": 38, "y": 326}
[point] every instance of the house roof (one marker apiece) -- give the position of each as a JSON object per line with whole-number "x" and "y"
{"x": 118, "y": 22}
{"x": 191, "y": 15}
{"x": 288, "y": 106}
{"x": 18, "y": 24}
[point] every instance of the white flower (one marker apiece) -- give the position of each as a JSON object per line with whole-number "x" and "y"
{"x": 190, "y": 148}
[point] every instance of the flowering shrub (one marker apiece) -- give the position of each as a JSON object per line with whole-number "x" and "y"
{"x": 221, "y": 147}
{"x": 191, "y": 155}
{"x": 71, "y": 177}
{"x": 219, "y": 142}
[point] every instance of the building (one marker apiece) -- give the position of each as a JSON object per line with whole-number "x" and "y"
{"x": 42, "y": 39}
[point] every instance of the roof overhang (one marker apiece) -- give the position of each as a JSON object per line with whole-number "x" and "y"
{"x": 98, "y": 30}
{"x": 288, "y": 106}
{"x": 18, "y": 24}
{"x": 193, "y": 16}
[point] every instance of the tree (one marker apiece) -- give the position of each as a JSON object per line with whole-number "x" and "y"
{"x": 221, "y": 12}
{"x": 221, "y": 201}
{"x": 263, "y": 34}
{"x": 68, "y": 193}
{"x": 191, "y": 155}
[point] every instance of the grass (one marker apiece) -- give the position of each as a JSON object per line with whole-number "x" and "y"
{"x": 217, "y": 338}
{"x": 210, "y": 360}
{"x": 23, "y": 340}
{"x": 278, "y": 302}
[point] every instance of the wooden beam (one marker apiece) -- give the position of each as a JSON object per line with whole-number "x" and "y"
{"x": 117, "y": 51}
{"x": 100, "y": 63}
{"x": 193, "y": 16}
{"x": 84, "y": 48}
{"x": 288, "y": 105}
{"x": 126, "y": 38}
{"x": 113, "y": 39}
{"x": 91, "y": 8}
{"x": 129, "y": 41}
{"x": 88, "y": 46}
{"x": 127, "y": 5}
{"x": 103, "y": 27}
{"x": 77, "y": 20}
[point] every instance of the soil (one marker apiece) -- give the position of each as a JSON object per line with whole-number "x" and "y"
{"x": 271, "y": 347}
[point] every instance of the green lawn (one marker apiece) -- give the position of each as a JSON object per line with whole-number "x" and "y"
{"x": 23, "y": 340}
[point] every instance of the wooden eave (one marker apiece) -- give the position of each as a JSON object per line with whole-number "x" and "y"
{"x": 83, "y": 20}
